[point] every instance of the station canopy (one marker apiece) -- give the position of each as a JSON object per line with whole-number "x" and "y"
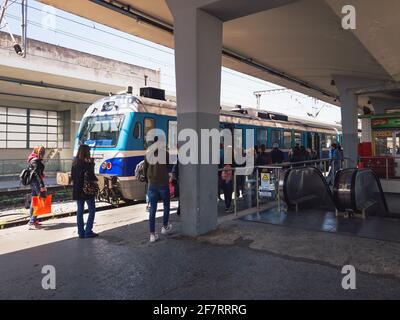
{"x": 298, "y": 44}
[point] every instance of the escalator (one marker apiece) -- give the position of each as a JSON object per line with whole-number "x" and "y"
{"x": 360, "y": 191}
{"x": 355, "y": 190}
{"x": 306, "y": 188}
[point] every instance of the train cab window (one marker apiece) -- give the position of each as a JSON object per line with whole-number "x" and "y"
{"x": 276, "y": 137}
{"x": 137, "y": 131}
{"x": 262, "y": 135}
{"x": 172, "y": 135}
{"x": 287, "y": 139}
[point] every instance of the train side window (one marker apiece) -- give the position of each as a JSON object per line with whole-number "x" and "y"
{"x": 238, "y": 139}
{"x": 287, "y": 139}
{"x": 137, "y": 131}
{"x": 328, "y": 140}
{"x": 276, "y": 137}
{"x": 149, "y": 124}
{"x": 172, "y": 135}
{"x": 262, "y": 136}
{"x": 297, "y": 138}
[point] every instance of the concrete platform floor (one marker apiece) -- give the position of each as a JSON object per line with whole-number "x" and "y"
{"x": 387, "y": 229}
{"x": 240, "y": 260}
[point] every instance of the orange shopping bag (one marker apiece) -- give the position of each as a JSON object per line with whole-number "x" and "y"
{"x": 41, "y": 205}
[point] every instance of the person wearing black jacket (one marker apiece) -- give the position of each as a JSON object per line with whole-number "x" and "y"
{"x": 84, "y": 165}
{"x": 276, "y": 154}
{"x": 38, "y": 188}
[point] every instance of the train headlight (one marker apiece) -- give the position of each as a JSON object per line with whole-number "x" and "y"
{"x": 104, "y": 165}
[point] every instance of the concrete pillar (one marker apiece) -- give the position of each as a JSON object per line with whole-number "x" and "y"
{"x": 349, "y": 112}
{"x": 198, "y": 46}
{"x": 347, "y": 87}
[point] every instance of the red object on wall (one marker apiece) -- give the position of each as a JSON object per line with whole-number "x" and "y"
{"x": 384, "y": 167}
{"x": 365, "y": 149}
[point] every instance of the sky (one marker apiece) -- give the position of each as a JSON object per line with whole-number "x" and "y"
{"x": 63, "y": 29}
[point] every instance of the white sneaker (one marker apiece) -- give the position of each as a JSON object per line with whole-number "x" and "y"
{"x": 34, "y": 226}
{"x": 153, "y": 237}
{"x": 166, "y": 230}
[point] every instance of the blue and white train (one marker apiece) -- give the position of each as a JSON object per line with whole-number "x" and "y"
{"x": 115, "y": 127}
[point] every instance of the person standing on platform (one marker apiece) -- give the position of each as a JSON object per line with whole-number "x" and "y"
{"x": 263, "y": 158}
{"x": 175, "y": 181}
{"x": 276, "y": 154}
{"x": 157, "y": 175}
{"x": 84, "y": 189}
{"x": 38, "y": 188}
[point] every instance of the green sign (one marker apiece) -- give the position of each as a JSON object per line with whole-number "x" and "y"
{"x": 385, "y": 123}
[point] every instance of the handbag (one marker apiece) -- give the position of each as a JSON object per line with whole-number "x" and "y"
{"x": 41, "y": 205}
{"x": 90, "y": 187}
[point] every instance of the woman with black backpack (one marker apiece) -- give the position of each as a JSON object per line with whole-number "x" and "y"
{"x": 84, "y": 190}
{"x": 38, "y": 188}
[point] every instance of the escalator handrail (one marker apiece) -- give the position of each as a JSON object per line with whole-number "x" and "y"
{"x": 353, "y": 202}
{"x": 336, "y": 199}
{"x": 378, "y": 181}
{"x": 285, "y": 193}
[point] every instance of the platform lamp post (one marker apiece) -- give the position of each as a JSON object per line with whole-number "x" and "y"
{"x": 21, "y": 51}
{"x": 3, "y": 10}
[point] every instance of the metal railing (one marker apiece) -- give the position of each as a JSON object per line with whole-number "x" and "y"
{"x": 13, "y": 167}
{"x": 384, "y": 166}
{"x": 274, "y": 173}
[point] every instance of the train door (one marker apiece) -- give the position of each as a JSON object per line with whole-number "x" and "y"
{"x": 314, "y": 142}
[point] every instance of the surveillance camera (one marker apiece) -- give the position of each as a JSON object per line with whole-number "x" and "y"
{"x": 18, "y": 49}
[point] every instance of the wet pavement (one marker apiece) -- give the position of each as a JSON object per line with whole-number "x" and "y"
{"x": 240, "y": 260}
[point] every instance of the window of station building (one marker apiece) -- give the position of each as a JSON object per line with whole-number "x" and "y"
{"x": 172, "y": 135}
{"x": 137, "y": 131}
{"x": 262, "y": 136}
{"x": 276, "y": 137}
{"x": 287, "y": 139}
{"x": 22, "y": 128}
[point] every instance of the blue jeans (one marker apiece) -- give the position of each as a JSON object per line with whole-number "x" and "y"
{"x": 79, "y": 217}
{"x": 154, "y": 194}
{"x": 35, "y": 191}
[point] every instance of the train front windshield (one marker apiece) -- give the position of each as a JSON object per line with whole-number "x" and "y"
{"x": 101, "y": 131}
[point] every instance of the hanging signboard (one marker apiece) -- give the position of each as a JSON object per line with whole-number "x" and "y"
{"x": 382, "y": 123}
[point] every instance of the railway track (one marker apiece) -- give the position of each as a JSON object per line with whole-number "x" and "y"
{"x": 14, "y": 198}
{"x": 25, "y": 219}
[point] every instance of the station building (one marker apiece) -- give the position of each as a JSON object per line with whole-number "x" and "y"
{"x": 44, "y": 96}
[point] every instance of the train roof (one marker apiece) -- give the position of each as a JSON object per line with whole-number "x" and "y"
{"x": 131, "y": 103}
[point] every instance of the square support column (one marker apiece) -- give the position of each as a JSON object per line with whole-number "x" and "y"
{"x": 349, "y": 112}
{"x": 198, "y": 46}
{"x": 348, "y": 87}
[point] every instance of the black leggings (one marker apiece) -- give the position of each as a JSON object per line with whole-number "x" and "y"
{"x": 227, "y": 187}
